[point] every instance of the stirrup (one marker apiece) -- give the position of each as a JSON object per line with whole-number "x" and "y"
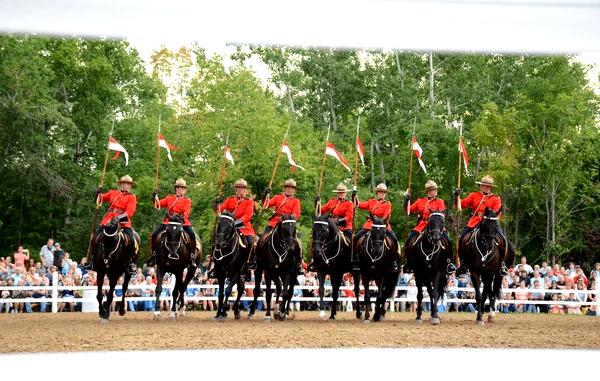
{"x": 132, "y": 268}
{"x": 450, "y": 268}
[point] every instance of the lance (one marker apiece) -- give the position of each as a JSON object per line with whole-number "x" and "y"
{"x": 222, "y": 173}
{"x": 410, "y": 168}
{"x": 100, "y": 184}
{"x": 157, "y": 155}
{"x": 458, "y": 206}
{"x": 318, "y": 205}
{"x": 354, "y": 188}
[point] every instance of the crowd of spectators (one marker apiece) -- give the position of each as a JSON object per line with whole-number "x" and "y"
{"x": 524, "y": 285}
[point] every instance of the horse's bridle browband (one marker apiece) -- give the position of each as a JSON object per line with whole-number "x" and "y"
{"x": 321, "y": 223}
{"x": 490, "y": 218}
{"x": 288, "y": 221}
{"x": 174, "y": 223}
{"x": 226, "y": 216}
{"x": 437, "y": 214}
{"x": 379, "y": 226}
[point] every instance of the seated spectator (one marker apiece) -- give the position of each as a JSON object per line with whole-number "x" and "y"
{"x": 573, "y": 309}
{"x": 536, "y": 295}
{"x": 467, "y": 306}
{"x": 506, "y": 294}
{"x": 521, "y": 295}
{"x": 556, "y": 307}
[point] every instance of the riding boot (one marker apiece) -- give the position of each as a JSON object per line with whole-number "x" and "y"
{"x": 450, "y": 267}
{"x": 90, "y": 263}
{"x": 132, "y": 268}
{"x": 395, "y": 267}
{"x": 252, "y": 260}
{"x": 151, "y": 262}
{"x": 503, "y": 269}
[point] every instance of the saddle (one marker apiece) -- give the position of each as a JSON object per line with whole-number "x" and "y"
{"x": 388, "y": 242}
{"x": 265, "y": 237}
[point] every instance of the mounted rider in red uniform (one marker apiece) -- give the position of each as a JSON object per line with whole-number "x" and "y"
{"x": 423, "y": 208}
{"x": 377, "y": 207}
{"x": 342, "y": 211}
{"x": 477, "y": 202}
{"x": 285, "y": 203}
{"x": 242, "y": 208}
{"x": 175, "y": 204}
{"x": 122, "y": 205}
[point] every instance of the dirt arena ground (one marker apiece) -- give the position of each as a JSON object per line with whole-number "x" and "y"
{"x": 197, "y": 330}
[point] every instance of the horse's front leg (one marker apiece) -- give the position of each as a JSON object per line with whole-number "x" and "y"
{"x": 356, "y": 280}
{"x": 256, "y": 291}
{"x": 475, "y": 281}
{"x": 367, "y": 299}
{"x": 494, "y": 293}
{"x": 99, "y": 295}
{"x": 232, "y": 282}
{"x": 321, "y": 277}
{"x": 291, "y": 282}
{"x": 109, "y": 297}
{"x": 176, "y": 294}
{"x": 220, "y": 297}
{"x": 268, "y": 297}
{"x": 419, "y": 284}
{"x": 433, "y": 298}
{"x": 336, "y": 280}
{"x": 158, "y": 292}
{"x": 184, "y": 285}
{"x": 126, "y": 280}
{"x": 241, "y": 287}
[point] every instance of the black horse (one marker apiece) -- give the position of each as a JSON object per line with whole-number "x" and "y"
{"x": 112, "y": 249}
{"x": 276, "y": 258}
{"x": 229, "y": 257}
{"x": 376, "y": 252}
{"x": 173, "y": 256}
{"x": 429, "y": 252}
{"x": 331, "y": 256}
{"x": 484, "y": 250}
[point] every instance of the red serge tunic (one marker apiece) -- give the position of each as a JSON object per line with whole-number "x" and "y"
{"x": 119, "y": 203}
{"x": 378, "y": 208}
{"x": 283, "y": 205}
{"x": 242, "y": 209}
{"x": 340, "y": 209}
{"x": 177, "y": 205}
{"x": 477, "y": 201}
{"x": 422, "y": 206}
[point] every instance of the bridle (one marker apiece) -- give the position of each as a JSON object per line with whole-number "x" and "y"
{"x": 106, "y": 258}
{"x": 485, "y": 257}
{"x": 326, "y": 245}
{"x": 435, "y": 246}
{"x": 233, "y": 237}
{"x": 167, "y": 243}
{"x": 281, "y": 257}
{"x": 366, "y": 248}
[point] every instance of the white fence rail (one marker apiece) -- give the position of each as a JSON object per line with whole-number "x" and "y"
{"x": 54, "y": 299}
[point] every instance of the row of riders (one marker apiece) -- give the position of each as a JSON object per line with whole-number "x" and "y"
{"x": 371, "y": 254}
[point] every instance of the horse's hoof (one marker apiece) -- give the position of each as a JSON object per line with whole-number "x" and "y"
{"x": 156, "y": 316}
{"x": 491, "y": 319}
{"x": 419, "y": 321}
{"x": 122, "y": 313}
{"x": 434, "y": 321}
{"x": 322, "y": 314}
{"x": 359, "y": 315}
{"x": 237, "y": 315}
{"x": 480, "y": 323}
{"x": 332, "y": 318}
{"x": 104, "y": 321}
{"x": 268, "y": 319}
{"x": 172, "y": 316}
{"x": 250, "y": 317}
{"x": 366, "y": 321}
{"x": 281, "y": 316}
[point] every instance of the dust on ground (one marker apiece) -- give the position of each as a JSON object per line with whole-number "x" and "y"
{"x": 198, "y": 330}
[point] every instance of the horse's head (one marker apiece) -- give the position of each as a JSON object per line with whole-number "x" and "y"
{"x": 322, "y": 226}
{"x": 378, "y": 233}
{"x": 173, "y": 233}
{"x": 435, "y": 225}
{"x": 111, "y": 227}
{"x": 288, "y": 231}
{"x": 489, "y": 224}
{"x": 225, "y": 229}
